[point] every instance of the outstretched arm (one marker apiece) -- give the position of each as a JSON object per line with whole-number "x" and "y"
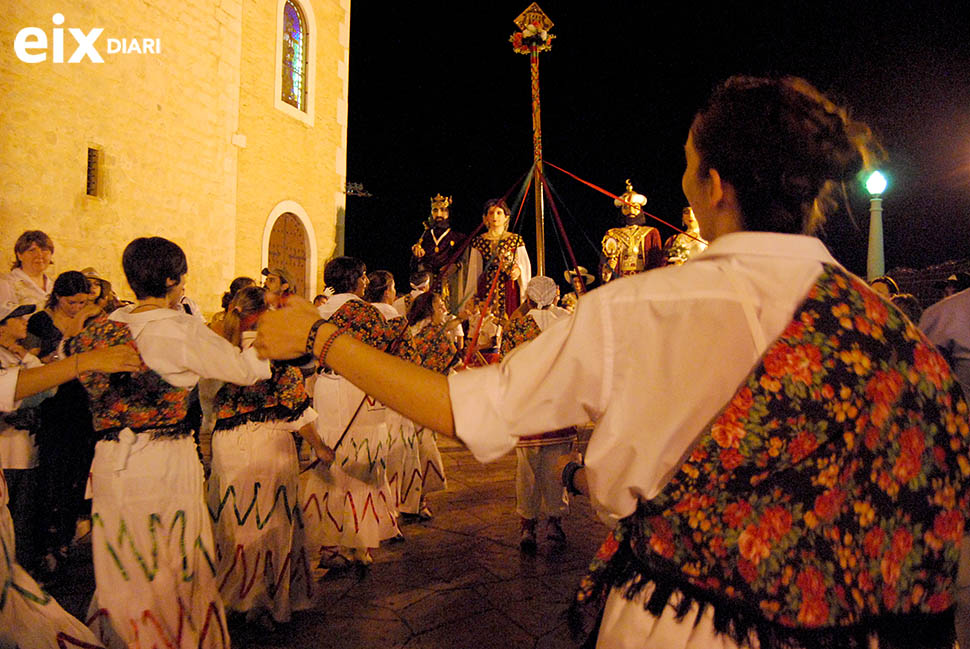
{"x": 121, "y": 358}
{"x": 417, "y": 393}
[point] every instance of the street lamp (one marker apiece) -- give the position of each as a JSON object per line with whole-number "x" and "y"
{"x": 875, "y": 263}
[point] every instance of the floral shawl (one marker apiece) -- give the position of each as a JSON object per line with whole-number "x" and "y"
{"x": 281, "y": 397}
{"x": 140, "y": 400}
{"x": 825, "y": 503}
{"x": 518, "y": 331}
{"x": 365, "y": 323}
{"x": 433, "y": 349}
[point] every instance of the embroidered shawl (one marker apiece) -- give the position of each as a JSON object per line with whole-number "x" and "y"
{"x": 281, "y": 397}
{"x": 518, "y": 331}
{"x": 825, "y": 502}
{"x": 433, "y": 349}
{"x": 139, "y": 400}
{"x": 365, "y": 323}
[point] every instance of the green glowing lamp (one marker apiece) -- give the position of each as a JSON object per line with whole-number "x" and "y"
{"x": 876, "y": 183}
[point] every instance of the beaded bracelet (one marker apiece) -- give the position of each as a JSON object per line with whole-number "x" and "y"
{"x": 322, "y": 362}
{"x": 568, "y": 477}
{"x": 311, "y": 338}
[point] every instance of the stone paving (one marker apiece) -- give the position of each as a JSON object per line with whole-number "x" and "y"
{"x": 457, "y": 581}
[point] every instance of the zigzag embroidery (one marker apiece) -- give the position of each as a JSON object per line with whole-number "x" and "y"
{"x": 260, "y": 521}
{"x": 65, "y": 641}
{"x": 369, "y": 504}
{"x": 374, "y": 457}
{"x": 154, "y": 521}
{"x": 271, "y": 578}
{"x": 149, "y": 621}
{"x": 41, "y": 598}
{"x": 415, "y": 475}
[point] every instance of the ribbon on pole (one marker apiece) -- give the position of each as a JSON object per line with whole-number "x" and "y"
{"x": 615, "y": 197}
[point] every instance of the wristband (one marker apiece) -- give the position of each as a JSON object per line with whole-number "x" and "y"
{"x": 322, "y": 361}
{"x": 569, "y": 476}
{"x": 311, "y": 338}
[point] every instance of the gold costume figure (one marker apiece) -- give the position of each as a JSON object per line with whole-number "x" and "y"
{"x": 633, "y": 247}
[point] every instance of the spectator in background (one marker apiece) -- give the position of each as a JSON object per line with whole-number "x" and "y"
{"x": 27, "y": 282}
{"x": 278, "y": 286}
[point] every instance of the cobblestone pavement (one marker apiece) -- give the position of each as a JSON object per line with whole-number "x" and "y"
{"x": 458, "y": 581}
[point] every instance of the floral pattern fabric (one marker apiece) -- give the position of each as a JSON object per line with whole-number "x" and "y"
{"x": 431, "y": 348}
{"x": 518, "y": 331}
{"x": 281, "y": 397}
{"x": 137, "y": 400}
{"x": 825, "y": 503}
{"x": 365, "y": 323}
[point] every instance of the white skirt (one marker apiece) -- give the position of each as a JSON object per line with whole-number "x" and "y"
{"x": 349, "y": 504}
{"x": 29, "y": 617}
{"x": 252, "y": 496}
{"x": 154, "y": 564}
{"x": 422, "y": 470}
{"x": 404, "y": 464}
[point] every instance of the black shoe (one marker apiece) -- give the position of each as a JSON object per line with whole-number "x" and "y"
{"x": 527, "y": 537}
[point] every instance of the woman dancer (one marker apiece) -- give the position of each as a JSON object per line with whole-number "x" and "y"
{"x": 502, "y": 252}
{"x": 349, "y": 505}
{"x": 152, "y": 538}
{"x": 216, "y": 324}
{"x": 803, "y": 490}
{"x": 29, "y": 617}
{"x": 65, "y": 437}
{"x": 252, "y": 490}
{"x": 432, "y": 342}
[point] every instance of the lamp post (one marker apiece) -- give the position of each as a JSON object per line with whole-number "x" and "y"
{"x": 875, "y": 262}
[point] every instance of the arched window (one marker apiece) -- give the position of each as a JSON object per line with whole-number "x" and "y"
{"x": 295, "y": 40}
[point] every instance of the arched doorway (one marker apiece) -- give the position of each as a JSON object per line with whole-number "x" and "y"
{"x": 288, "y": 248}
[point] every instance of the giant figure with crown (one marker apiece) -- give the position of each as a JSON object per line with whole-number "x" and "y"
{"x": 441, "y": 251}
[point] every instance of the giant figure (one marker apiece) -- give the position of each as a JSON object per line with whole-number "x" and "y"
{"x": 633, "y": 247}
{"x": 439, "y": 251}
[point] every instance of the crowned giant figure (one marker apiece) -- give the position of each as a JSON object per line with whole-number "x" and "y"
{"x": 441, "y": 251}
{"x": 633, "y": 247}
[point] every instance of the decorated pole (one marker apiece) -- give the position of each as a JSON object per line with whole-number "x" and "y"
{"x": 532, "y": 38}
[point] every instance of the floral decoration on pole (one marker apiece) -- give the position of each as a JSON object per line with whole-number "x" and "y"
{"x": 533, "y": 34}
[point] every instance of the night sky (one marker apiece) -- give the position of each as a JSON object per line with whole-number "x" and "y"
{"x": 439, "y": 102}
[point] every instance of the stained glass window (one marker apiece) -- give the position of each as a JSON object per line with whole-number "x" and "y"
{"x": 294, "y": 56}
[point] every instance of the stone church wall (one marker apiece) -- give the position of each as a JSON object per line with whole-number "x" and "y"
{"x": 191, "y": 146}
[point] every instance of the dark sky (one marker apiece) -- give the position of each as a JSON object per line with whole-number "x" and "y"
{"x": 440, "y": 103}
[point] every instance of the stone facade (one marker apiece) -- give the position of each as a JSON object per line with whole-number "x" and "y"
{"x": 191, "y": 144}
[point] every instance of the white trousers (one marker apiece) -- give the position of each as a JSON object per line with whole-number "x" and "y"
{"x": 538, "y": 487}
